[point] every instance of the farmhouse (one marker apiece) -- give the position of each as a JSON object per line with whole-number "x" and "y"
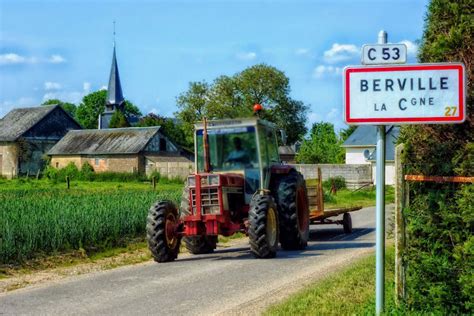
{"x": 133, "y": 149}
{"x": 360, "y": 149}
{"x": 26, "y": 135}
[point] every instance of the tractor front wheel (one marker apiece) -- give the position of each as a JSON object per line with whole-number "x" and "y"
{"x": 161, "y": 231}
{"x": 263, "y": 228}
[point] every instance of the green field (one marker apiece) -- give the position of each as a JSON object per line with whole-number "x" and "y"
{"x": 39, "y": 218}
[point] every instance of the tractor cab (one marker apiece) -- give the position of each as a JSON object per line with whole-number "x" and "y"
{"x": 247, "y": 147}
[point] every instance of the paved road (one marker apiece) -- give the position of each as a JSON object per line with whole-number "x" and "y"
{"x": 229, "y": 281}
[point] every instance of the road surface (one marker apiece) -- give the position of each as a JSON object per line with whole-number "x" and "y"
{"x": 229, "y": 281}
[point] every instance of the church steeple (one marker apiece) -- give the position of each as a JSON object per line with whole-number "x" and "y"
{"x": 115, "y": 98}
{"x": 114, "y": 101}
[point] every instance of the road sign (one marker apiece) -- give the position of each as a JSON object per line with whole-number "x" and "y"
{"x": 376, "y": 54}
{"x": 405, "y": 94}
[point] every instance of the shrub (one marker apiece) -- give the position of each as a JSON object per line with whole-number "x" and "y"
{"x": 156, "y": 174}
{"x": 339, "y": 183}
{"x": 87, "y": 172}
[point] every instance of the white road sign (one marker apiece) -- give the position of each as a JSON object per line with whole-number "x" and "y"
{"x": 405, "y": 94}
{"x": 376, "y": 54}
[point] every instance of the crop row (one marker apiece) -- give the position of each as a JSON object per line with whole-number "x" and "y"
{"x": 49, "y": 221}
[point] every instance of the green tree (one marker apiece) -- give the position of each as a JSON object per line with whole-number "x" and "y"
{"x": 323, "y": 146}
{"x": 68, "y": 107}
{"x": 346, "y": 132}
{"x": 171, "y": 128}
{"x": 93, "y": 104}
{"x": 118, "y": 120}
{"x": 439, "y": 253}
{"x": 235, "y": 96}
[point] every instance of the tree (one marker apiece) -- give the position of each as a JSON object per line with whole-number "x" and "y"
{"x": 439, "y": 251}
{"x": 235, "y": 96}
{"x": 118, "y": 120}
{"x": 346, "y": 132}
{"x": 68, "y": 107}
{"x": 323, "y": 146}
{"x": 93, "y": 104}
{"x": 171, "y": 128}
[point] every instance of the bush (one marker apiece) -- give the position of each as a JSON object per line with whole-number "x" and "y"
{"x": 87, "y": 172}
{"x": 339, "y": 183}
{"x": 156, "y": 175}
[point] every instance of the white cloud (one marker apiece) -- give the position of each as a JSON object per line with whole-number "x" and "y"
{"x": 332, "y": 114}
{"x": 69, "y": 96}
{"x": 8, "y": 105}
{"x": 12, "y": 59}
{"x": 104, "y": 87}
{"x": 305, "y": 52}
{"x": 56, "y": 59}
{"x": 49, "y": 85}
{"x": 412, "y": 48}
{"x": 325, "y": 70}
{"x": 246, "y": 55}
{"x": 86, "y": 86}
{"x": 340, "y": 52}
{"x": 15, "y": 59}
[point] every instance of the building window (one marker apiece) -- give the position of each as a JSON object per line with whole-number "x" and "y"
{"x": 57, "y": 165}
{"x": 162, "y": 144}
{"x": 97, "y": 161}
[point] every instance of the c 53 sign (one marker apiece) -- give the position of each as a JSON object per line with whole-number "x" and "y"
{"x": 405, "y": 94}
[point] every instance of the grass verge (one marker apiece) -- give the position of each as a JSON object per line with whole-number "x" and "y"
{"x": 350, "y": 292}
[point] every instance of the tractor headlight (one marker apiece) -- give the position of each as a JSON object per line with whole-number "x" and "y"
{"x": 191, "y": 181}
{"x": 214, "y": 180}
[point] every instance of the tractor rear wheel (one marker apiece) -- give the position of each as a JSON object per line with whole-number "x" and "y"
{"x": 200, "y": 244}
{"x": 162, "y": 222}
{"x": 195, "y": 244}
{"x": 293, "y": 207}
{"x": 263, "y": 226}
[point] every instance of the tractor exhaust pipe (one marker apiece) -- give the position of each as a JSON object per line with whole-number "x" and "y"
{"x": 207, "y": 163}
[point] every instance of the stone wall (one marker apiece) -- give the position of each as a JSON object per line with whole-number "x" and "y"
{"x": 355, "y": 175}
{"x": 169, "y": 169}
{"x": 116, "y": 163}
{"x": 8, "y": 160}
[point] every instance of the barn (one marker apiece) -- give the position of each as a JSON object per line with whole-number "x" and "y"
{"x": 27, "y": 134}
{"x": 131, "y": 149}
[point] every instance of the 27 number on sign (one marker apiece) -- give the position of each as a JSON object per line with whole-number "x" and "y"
{"x": 450, "y": 111}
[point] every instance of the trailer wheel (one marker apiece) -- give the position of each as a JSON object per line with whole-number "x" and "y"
{"x": 263, "y": 228}
{"x": 347, "y": 223}
{"x": 293, "y": 209}
{"x": 162, "y": 239}
{"x": 200, "y": 244}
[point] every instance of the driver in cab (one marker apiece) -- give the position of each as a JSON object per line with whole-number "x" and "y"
{"x": 238, "y": 156}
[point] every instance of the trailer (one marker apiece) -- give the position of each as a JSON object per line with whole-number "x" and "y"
{"x": 320, "y": 216}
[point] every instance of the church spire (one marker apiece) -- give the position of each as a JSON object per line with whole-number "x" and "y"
{"x": 114, "y": 101}
{"x": 114, "y": 90}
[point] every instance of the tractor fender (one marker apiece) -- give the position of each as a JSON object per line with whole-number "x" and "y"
{"x": 282, "y": 169}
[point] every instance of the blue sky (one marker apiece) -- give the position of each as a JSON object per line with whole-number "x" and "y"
{"x": 63, "y": 49}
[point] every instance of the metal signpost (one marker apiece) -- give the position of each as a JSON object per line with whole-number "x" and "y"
{"x": 379, "y": 94}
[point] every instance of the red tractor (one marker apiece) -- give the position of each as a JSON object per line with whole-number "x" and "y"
{"x": 239, "y": 185}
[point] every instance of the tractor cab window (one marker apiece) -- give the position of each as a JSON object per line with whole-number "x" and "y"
{"x": 268, "y": 150}
{"x": 229, "y": 148}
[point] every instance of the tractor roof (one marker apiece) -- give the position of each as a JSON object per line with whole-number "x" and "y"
{"x": 253, "y": 121}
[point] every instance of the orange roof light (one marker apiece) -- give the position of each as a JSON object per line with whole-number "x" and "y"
{"x": 257, "y": 107}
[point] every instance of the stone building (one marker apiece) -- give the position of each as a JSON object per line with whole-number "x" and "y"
{"x": 26, "y": 135}
{"x": 132, "y": 149}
